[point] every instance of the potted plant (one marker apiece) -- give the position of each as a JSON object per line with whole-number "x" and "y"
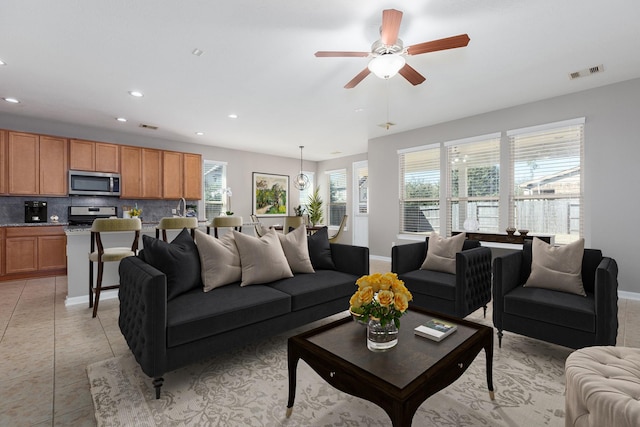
{"x": 314, "y": 207}
{"x": 299, "y": 210}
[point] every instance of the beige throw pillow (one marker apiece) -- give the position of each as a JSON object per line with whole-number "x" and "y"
{"x": 557, "y": 267}
{"x": 441, "y": 254}
{"x": 296, "y": 250}
{"x": 219, "y": 260}
{"x": 262, "y": 259}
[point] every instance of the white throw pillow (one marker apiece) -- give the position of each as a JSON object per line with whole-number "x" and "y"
{"x": 296, "y": 250}
{"x": 262, "y": 259}
{"x": 441, "y": 254}
{"x": 219, "y": 260}
{"x": 557, "y": 267}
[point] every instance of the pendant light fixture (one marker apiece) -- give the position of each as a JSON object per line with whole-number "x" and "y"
{"x": 302, "y": 181}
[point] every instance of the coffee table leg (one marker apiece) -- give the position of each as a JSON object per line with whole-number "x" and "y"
{"x": 293, "y": 365}
{"x": 488, "y": 350}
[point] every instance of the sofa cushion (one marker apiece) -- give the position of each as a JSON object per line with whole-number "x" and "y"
{"x": 262, "y": 259}
{"x": 441, "y": 252}
{"x": 179, "y": 260}
{"x": 320, "y": 250}
{"x": 296, "y": 250}
{"x": 219, "y": 260}
{"x": 555, "y": 307}
{"x": 433, "y": 283}
{"x": 557, "y": 267}
{"x": 196, "y": 314}
{"x": 307, "y": 290}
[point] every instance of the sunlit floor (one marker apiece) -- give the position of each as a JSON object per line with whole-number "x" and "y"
{"x": 46, "y": 346}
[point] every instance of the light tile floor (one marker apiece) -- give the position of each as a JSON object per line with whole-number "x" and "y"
{"x": 46, "y": 346}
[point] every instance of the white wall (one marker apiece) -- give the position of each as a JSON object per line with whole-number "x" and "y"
{"x": 612, "y": 152}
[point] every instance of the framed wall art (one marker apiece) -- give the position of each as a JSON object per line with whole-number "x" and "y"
{"x": 270, "y": 194}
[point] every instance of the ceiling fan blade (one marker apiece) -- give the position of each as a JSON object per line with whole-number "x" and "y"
{"x": 357, "y": 79}
{"x": 331, "y": 54}
{"x": 391, "y": 19}
{"x": 442, "y": 44}
{"x": 412, "y": 76}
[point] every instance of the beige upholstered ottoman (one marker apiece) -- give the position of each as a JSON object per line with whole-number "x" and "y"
{"x": 603, "y": 387}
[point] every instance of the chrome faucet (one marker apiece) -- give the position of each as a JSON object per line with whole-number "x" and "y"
{"x": 182, "y": 212}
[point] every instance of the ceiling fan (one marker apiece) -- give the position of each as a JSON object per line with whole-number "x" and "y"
{"x": 388, "y": 52}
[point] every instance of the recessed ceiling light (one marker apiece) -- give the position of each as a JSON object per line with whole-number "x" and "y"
{"x": 359, "y": 110}
{"x": 136, "y": 93}
{"x": 2, "y": 62}
{"x": 233, "y": 116}
{"x": 197, "y": 52}
{"x": 121, "y": 119}
{"x": 199, "y": 133}
{"x": 12, "y": 100}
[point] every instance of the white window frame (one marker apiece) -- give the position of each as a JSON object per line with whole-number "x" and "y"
{"x": 329, "y": 175}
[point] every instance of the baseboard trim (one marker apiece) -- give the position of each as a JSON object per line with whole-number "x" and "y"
{"x": 380, "y": 258}
{"x": 84, "y": 299}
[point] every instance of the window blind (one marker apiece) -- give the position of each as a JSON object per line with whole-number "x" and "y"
{"x": 337, "y": 206}
{"x": 473, "y": 184}
{"x": 420, "y": 189}
{"x": 546, "y": 171}
{"x": 215, "y": 179}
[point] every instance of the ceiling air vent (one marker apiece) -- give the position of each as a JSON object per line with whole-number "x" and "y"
{"x": 586, "y": 72}
{"x": 151, "y": 127}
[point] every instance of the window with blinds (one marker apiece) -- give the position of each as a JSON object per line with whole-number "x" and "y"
{"x": 214, "y": 180}
{"x": 420, "y": 189}
{"x": 546, "y": 171}
{"x": 473, "y": 184}
{"x": 337, "y": 203}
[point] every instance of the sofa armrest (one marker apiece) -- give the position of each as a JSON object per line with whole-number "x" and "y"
{"x": 143, "y": 313}
{"x": 506, "y": 276}
{"x": 350, "y": 259}
{"x": 406, "y": 258}
{"x": 473, "y": 279}
{"x": 606, "y": 302}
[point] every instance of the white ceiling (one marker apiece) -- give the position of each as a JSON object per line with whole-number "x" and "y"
{"x": 75, "y": 60}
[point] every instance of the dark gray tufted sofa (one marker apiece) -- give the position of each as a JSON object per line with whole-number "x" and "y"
{"x": 165, "y": 335}
{"x": 454, "y": 294}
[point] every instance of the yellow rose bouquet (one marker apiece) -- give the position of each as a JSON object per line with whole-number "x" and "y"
{"x": 380, "y": 296}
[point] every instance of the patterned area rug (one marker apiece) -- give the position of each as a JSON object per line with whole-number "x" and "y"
{"x": 248, "y": 387}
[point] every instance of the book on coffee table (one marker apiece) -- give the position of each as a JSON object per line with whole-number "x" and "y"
{"x": 435, "y": 329}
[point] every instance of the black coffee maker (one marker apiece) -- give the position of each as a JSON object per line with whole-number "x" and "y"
{"x": 35, "y": 211}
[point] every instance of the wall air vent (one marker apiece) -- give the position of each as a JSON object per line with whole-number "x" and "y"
{"x": 586, "y": 72}
{"x": 151, "y": 127}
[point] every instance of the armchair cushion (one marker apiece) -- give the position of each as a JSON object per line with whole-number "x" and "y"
{"x": 432, "y": 283}
{"x": 557, "y": 267}
{"x": 441, "y": 252}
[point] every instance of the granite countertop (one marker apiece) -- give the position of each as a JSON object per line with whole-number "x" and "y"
{"x": 34, "y": 224}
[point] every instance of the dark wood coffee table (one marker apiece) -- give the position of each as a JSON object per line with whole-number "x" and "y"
{"x": 398, "y": 380}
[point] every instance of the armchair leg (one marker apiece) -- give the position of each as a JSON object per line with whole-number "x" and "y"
{"x": 157, "y": 384}
{"x": 499, "y": 338}
{"x": 485, "y": 311}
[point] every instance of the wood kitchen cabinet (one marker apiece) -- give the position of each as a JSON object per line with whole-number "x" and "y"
{"x": 141, "y": 176}
{"x": 3, "y": 162}
{"x": 1, "y": 252}
{"x": 172, "y": 175}
{"x": 192, "y": 170}
{"x": 34, "y": 251}
{"x": 151, "y": 173}
{"x": 94, "y": 156}
{"x": 37, "y": 165}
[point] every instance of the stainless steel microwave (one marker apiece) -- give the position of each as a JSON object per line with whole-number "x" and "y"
{"x": 94, "y": 183}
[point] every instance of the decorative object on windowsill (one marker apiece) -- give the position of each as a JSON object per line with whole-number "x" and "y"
{"x": 228, "y": 213}
{"x": 314, "y": 207}
{"x": 299, "y": 210}
{"x": 302, "y": 181}
{"x": 511, "y": 231}
{"x": 382, "y": 299}
{"x": 523, "y": 232}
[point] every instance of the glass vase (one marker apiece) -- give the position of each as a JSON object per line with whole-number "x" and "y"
{"x": 381, "y": 338}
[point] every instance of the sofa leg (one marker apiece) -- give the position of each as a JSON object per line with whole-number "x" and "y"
{"x": 499, "y": 338}
{"x": 157, "y": 384}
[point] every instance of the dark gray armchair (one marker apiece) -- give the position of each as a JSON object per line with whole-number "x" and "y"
{"x": 562, "y": 318}
{"x": 454, "y": 294}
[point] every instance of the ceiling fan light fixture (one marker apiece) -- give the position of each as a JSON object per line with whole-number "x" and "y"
{"x": 386, "y": 66}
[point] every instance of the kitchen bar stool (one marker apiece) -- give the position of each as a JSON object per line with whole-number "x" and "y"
{"x": 225, "y": 221}
{"x": 99, "y": 254}
{"x": 176, "y": 223}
